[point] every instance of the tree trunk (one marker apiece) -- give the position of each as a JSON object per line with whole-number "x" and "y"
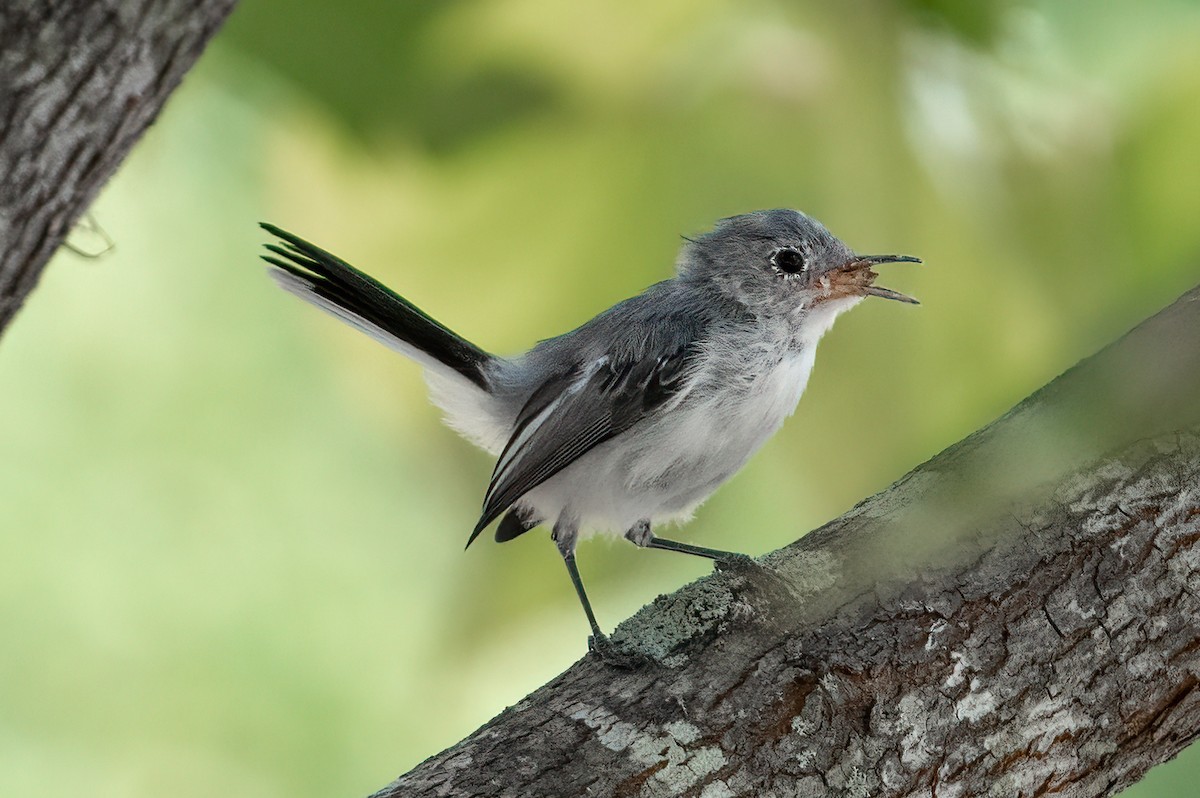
{"x": 1016, "y": 617}
{"x": 80, "y": 80}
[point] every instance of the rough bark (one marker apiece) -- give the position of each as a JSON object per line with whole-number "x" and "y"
{"x": 80, "y": 80}
{"x": 1016, "y": 617}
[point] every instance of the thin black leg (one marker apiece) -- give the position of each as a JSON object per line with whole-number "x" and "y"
{"x": 640, "y": 535}
{"x": 699, "y": 551}
{"x": 598, "y": 637}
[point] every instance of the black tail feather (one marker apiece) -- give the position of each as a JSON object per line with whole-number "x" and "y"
{"x": 340, "y": 283}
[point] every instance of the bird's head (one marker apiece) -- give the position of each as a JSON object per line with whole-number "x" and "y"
{"x": 782, "y": 262}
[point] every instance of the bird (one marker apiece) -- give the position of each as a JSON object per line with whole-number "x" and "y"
{"x": 633, "y": 419}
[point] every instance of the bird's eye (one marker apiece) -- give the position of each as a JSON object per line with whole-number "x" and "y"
{"x": 789, "y": 261}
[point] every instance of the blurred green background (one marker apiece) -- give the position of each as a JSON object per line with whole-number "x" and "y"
{"x": 233, "y": 552}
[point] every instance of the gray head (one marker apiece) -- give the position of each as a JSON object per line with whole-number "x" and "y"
{"x": 783, "y": 262}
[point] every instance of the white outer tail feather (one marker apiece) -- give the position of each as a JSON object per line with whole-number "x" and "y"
{"x": 469, "y": 410}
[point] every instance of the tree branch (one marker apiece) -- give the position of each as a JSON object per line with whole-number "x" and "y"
{"x": 1016, "y": 617}
{"x": 80, "y": 80}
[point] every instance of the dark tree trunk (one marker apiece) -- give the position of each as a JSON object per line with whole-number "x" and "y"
{"x": 80, "y": 80}
{"x": 1016, "y": 617}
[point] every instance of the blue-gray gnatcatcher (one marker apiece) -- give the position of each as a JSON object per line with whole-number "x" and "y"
{"x": 636, "y": 417}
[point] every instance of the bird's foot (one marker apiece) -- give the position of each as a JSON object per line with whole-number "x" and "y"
{"x": 756, "y": 573}
{"x": 616, "y": 656}
{"x": 732, "y": 561}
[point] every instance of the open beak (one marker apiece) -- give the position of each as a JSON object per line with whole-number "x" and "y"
{"x": 861, "y": 268}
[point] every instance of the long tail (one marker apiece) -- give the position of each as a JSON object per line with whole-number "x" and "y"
{"x": 336, "y": 287}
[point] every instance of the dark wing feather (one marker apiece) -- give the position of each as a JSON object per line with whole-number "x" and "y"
{"x": 572, "y": 413}
{"x": 513, "y": 525}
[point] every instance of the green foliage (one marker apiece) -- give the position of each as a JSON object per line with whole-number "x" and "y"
{"x": 235, "y": 526}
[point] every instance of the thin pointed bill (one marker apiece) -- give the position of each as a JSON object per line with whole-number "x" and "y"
{"x": 865, "y": 262}
{"x": 887, "y": 293}
{"x": 873, "y": 260}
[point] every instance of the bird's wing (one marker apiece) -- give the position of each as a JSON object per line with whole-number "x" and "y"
{"x": 575, "y": 411}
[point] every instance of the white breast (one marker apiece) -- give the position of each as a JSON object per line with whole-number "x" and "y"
{"x": 663, "y": 469}
{"x": 718, "y": 433}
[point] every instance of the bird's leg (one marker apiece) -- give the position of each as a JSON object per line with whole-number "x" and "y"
{"x": 565, "y": 534}
{"x": 641, "y": 535}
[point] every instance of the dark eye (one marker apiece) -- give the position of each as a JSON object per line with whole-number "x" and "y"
{"x": 789, "y": 261}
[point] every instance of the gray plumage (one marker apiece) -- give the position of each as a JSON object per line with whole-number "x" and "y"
{"x": 637, "y": 416}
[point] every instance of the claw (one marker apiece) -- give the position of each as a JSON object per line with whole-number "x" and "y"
{"x": 615, "y": 656}
{"x": 737, "y": 562}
